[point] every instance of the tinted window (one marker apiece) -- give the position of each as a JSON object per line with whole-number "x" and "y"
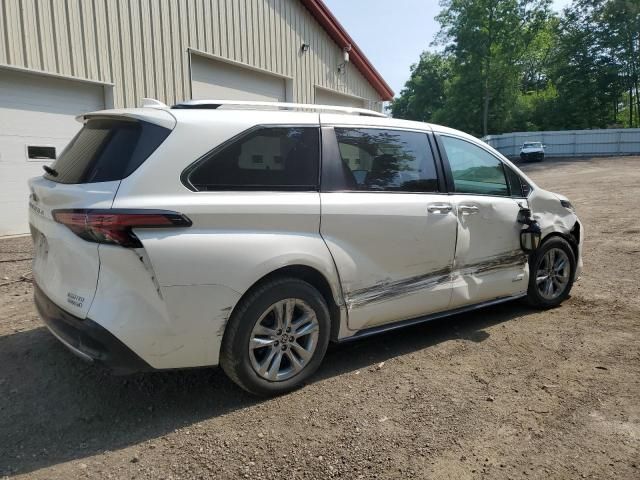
{"x": 270, "y": 158}
{"x": 387, "y": 160}
{"x": 474, "y": 169}
{"x": 107, "y": 150}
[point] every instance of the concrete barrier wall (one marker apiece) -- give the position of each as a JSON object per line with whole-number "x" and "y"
{"x": 571, "y": 143}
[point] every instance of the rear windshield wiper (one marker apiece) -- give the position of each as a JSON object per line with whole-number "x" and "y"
{"x": 50, "y": 171}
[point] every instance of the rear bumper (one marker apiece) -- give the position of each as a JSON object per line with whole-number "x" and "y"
{"x": 87, "y": 339}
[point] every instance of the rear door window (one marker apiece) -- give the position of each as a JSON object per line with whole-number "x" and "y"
{"x": 266, "y": 158}
{"x": 386, "y": 160}
{"x": 105, "y": 150}
{"x": 474, "y": 170}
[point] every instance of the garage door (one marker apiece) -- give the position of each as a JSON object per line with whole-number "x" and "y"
{"x": 327, "y": 97}
{"x": 212, "y": 79}
{"x": 36, "y": 120}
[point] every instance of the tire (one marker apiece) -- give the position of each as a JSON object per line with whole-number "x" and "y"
{"x": 253, "y": 339}
{"x": 538, "y": 294}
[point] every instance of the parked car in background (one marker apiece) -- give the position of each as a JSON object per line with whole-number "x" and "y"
{"x": 532, "y": 151}
{"x": 250, "y": 235}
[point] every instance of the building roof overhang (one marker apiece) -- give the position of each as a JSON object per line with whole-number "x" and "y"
{"x": 339, "y": 35}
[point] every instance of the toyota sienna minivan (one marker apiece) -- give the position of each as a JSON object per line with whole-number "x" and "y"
{"x": 250, "y": 235}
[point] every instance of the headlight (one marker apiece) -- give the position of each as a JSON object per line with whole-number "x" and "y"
{"x": 567, "y": 204}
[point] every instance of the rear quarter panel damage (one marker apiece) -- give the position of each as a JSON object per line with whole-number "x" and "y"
{"x": 176, "y": 327}
{"x": 221, "y": 266}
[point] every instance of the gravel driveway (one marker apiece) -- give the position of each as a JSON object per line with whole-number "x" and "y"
{"x": 505, "y": 392}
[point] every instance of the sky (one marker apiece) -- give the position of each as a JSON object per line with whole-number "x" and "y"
{"x": 393, "y": 34}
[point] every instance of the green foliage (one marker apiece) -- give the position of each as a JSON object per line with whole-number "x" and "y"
{"x": 424, "y": 92}
{"x": 513, "y": 65}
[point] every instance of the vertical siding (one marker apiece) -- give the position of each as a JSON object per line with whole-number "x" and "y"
{"x": 13, "y": 25}
{"x": 141, "y": 46}
{"x": 30, "y": 40}
{"x": 115, "y": 52}
{"x": 3, "y": 32}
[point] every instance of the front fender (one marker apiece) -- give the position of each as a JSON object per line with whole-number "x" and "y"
{"x": 555, "y": 219}
{"x": 550, "y": 214}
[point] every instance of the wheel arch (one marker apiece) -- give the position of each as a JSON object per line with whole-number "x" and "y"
{"x": 572, "y": 238}
{"x": 312, "y": 276}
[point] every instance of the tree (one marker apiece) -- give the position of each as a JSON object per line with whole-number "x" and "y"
{"x": 488, "y": 39}
{"x": 597, "y": 61}
{"x": 619, "y": 32}
{"x": 512, "y": 65}
{"x": 424, "y": 92}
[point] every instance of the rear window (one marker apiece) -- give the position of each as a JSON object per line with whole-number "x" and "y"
{"x": 265, "y": 158}
{"x": 105, "y": 150}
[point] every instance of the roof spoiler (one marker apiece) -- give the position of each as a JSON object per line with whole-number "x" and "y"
{"x": 153, "y": 103}
{"x": 152, "y": 111}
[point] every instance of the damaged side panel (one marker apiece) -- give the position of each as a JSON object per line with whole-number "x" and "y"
{"x": 385, "y": 291}
{"x": 554, "y": 218}
{"x": 169, "y": 326}
{"x": 393, "y": 255}
{"x": 489, "y": 262}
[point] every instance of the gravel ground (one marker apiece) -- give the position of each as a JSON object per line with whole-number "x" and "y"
{"x": 504, "y": 392}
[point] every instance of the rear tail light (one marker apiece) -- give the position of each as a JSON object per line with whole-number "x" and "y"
{"x": 115, "y": 226}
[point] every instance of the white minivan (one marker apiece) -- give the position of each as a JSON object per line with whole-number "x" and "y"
{"x": 250, "y": 235}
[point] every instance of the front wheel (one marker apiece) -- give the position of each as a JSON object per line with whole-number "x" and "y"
{"x": 551, "y": 272}
{"x": 276, "y": 338}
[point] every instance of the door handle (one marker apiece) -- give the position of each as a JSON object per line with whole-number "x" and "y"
{"x": 468, "y": 209}
{"x": 440, "y": 208}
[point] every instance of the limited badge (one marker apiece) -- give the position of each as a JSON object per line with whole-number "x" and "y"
{"x": 75, "y": 300}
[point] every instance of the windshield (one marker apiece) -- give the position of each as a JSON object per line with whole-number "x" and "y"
{"x": 532, "y": 145}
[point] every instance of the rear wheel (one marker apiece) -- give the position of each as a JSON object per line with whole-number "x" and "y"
{"x": 276, "y": 337}
{"x": 552, "y": 269}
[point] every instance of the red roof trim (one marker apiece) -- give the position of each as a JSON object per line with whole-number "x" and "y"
{"x": 339, "y": 35}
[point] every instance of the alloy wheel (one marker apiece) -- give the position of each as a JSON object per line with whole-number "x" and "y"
{"x": 283, "y": 340}
{"x": 553, "y": 273}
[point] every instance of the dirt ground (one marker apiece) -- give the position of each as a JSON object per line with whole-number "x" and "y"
{"x": 504, "y": 392}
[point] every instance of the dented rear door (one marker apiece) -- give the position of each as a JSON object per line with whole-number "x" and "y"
{"x": 388, "y": 225}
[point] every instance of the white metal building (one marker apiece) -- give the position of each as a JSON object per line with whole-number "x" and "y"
{"x": 64, "y": 57}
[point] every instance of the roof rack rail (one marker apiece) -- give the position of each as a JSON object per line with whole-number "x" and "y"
{"x": 213, "y": 104}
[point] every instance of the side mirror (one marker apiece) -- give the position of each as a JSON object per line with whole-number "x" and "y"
{"x": 530, "y": 236}
{"x": 524, "y": 215}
